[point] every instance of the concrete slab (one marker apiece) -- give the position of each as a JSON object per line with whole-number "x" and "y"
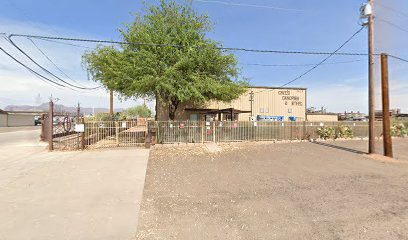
{"x": 68, "y": 195}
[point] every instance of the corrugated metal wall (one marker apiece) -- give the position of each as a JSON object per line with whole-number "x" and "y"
{"x": 322, "y": 118}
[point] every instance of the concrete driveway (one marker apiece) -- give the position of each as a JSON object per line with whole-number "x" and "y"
{"x": 67, "y": 195}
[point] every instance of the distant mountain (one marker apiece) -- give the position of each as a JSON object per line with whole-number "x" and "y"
{"x": 58, "y": 108}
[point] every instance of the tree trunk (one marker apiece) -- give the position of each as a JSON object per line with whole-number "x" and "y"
{"x": 173, "y": 105}
{"x": 111, "y": 102}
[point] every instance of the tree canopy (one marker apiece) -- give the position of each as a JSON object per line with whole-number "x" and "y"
{"x": 166, "y": 54}
{"x": 141, "y": 111}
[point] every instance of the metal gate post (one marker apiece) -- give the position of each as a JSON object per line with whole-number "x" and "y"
{"x": 77, "y": 122}
{"x": 83, "y": 135}
{"x": 202, "y": 132}
{"x": 51, "y": 123}
{"x": 117, "y": 132}
{"x": 213, "y": 132}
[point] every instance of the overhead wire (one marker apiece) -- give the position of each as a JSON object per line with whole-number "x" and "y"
{"x": 298, "y": 65}
{"x": 181, "y": 46}
{"x": 330, "y": 54}
{"x": 52, "y": 62}
{"x": 46, "y": 70}
{"x": 43, "y": 78}
{"x": 391, "y": 9}
{"x": 392, "y": 24}
{"x": 321, "y": 62}
{"x": 250, "y": 5}
{"x": 65, "y": 43}
{"x": 398, "y": 58}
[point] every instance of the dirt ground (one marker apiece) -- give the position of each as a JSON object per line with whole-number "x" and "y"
{"x": 275, "y": 191}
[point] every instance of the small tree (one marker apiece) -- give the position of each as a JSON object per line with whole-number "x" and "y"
{"x": 176, "y": 64}
{"x": 141, "y": 111}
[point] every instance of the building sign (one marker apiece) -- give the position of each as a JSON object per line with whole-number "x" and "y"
{"x": 80, "y": 128}
{"x": 289, "y": 99}
{"x": 270, "y": 118}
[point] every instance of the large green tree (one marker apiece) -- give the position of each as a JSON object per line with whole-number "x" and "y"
{"x": 168, "y": 56}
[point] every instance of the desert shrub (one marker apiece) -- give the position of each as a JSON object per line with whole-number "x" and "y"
{"x": 344, "y": 132}
{"x": 326, "y": 132}
{"x": 335, "y": 132}
{"x": 104, "y": 117}
{"x": 399, "y": 129}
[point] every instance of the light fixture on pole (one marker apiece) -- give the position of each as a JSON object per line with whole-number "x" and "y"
{"x": 367, "y": 19}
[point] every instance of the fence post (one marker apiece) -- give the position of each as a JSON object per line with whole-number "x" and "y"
{"x": 78, "y": 134}
{"x": 153, "y": 135}
{"x": 213, "y": 132}
{"x": 117, "y": 132}
{"x": 202, "y": 132}
{"x": 291, "y": 131}
{"x": 51, "y": 123}
{"x": 304, "y": 131}
{"x": 83, "y": 135}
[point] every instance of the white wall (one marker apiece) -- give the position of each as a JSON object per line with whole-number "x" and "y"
{"x": 3, "y": 120}
{"x": 17, "y": 120}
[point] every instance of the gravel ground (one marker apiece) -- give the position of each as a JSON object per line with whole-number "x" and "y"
{"x": 274, "y": 191}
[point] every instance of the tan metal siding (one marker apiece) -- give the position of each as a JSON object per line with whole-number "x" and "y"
{"x": 322, "y": 118}
{"x": 273, "y": 102}
{"x": 286, "y": 102}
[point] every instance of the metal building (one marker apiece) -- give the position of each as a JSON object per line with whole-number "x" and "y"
{"x": 258, "y": 103}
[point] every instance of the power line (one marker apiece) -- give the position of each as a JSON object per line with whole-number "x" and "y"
{"x": 392, "y": 24}
{"x": 298, "y": 65}
{"x": 392, "y": 9}
{"x": 323, "y": 61}
{"x": 250, "y": 5}
{"x": 181, "y": 46}
{"x": 64, "y": 43}
{"x": 43, "y": 78}
{"x": 46, "y": 70}
{"x": 55, "y": 65}
{"x": 398, "y": 58}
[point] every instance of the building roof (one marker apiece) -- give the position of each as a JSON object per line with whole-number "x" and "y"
{"x": 227, "y": 110}
{"x": 322, "y": 114}
{"x": 265, "y": 87}
{"x": 2, "y": 112}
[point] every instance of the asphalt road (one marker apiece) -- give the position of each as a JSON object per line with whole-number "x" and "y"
{"x": 67, "y": 195}
{"x": 15, "y": 136}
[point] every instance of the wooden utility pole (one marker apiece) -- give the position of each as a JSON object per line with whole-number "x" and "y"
{"x": 111, "y": 102}
{"x": 371, "y": 81}
{"x": 386, "y": 107}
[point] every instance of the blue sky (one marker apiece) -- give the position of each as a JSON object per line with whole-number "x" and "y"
{"x": 315, "y": 25}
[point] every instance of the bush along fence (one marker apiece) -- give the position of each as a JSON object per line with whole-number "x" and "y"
{"x": 109, "y": 134}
